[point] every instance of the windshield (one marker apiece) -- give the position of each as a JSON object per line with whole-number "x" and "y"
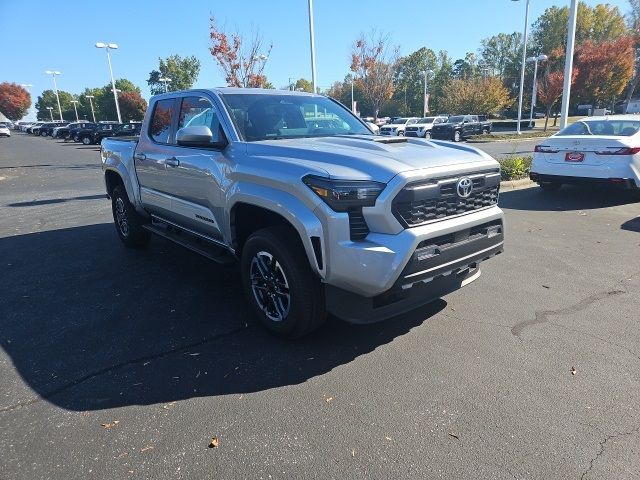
{"x": 456, "y": 119}
{"x": 607, "y": 128}
{"x": 399, "y": 121}
{"x": 427, "y": 120}
{"x": 272, "y": 117}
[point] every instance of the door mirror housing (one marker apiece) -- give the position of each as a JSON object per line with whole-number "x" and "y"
{"x": 201, "y": 136}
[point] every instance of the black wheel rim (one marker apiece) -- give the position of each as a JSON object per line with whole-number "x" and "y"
{"x": 270, "y": 286}
{"x": 121, "y": 217}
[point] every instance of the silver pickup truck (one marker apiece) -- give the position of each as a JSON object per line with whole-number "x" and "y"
{"x": 322, "y": 215}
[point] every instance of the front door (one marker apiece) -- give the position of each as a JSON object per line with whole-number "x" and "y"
{"x": 194, "y": 175}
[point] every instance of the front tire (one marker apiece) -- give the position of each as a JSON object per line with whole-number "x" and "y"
{"x": 427, "y": 135}
{"x": 86, "y": 141}
{"x": 129, "y": 224}
{"x": 456, "y": 136}
{"x": 286, "y": 295}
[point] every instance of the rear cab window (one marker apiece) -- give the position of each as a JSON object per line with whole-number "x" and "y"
{"x": 160, "y": 125}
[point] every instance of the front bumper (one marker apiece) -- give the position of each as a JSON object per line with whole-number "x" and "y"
{"x": 622, "y": 183}
{"x": 442, "y": 135}
{"x": 432, "y": 272}
{"x": 399, "y": 272}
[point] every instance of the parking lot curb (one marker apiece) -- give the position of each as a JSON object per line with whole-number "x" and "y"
{"x": 516, "y": 184}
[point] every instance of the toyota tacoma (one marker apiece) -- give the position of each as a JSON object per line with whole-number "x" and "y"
{"x": 321, "y": 216}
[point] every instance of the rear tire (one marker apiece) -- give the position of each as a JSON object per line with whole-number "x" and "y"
{"x": 550, "y": 186}
{"x": 286, "y": 296}
{"x": 129, "y": 223}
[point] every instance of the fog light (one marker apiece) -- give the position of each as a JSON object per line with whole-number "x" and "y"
{"x": 493, "y": 231}
{"x": 427, "y": 252}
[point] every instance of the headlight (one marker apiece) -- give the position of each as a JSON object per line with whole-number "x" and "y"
{"x": 341, "y": 195}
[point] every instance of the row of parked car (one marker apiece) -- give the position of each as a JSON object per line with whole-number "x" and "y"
{"x": 87, "y": 133}
{"x": 454, "y": 127}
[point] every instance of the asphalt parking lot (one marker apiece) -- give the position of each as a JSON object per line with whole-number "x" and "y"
{"x": 120, "y": 364}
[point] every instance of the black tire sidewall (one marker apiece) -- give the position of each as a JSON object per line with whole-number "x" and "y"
{"x": 300, "y": 278}
{"x": 138, "y": 235}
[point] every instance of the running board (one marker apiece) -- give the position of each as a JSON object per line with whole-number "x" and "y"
{"x": 194, "y": 243}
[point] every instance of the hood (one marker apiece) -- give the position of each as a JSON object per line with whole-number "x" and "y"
{"x": 366, "y": 157}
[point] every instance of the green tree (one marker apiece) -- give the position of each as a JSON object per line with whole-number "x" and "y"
{"x": 303, "y": 85}
{"x": 476, "y": 96}
{"x": 466, "y": 68}
{"x": 183, "y": 73}
{"x": 600, "y": 23}
{"x": 409, "y": 81}
{"x": 501, "y": 54}
{"x": 84, "y": 107}
{"x": 48, "y": 99}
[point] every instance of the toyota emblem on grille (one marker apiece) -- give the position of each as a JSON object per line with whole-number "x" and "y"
{"x": 464, "y": 187}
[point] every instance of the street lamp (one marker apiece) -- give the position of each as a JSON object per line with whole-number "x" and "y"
{"x": 568, "y": 64}
{"x": 524, "y": 60}
{"x": 313, "y": 47}
{"x": 53, "y": 74}
{"x": 108, "y": 47}
{"x": 50, "y": 112}
{"x": 534, "y": 89}
{"x": 425, "y": 106}
{"x": 165, "y": 80}
{"x": 26, "y": 85}
{"x": 75, "y": 109}
{"x": 93, "y": 113}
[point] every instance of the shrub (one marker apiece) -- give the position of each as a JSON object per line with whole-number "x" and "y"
{"x": 514, "y": 168}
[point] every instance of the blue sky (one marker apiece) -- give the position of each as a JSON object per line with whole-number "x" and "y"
{"x": 38, "y": 35}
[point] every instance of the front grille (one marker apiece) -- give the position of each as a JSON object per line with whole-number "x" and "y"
{"x": 418, "y": 204}
{"x": 358, "y": 228}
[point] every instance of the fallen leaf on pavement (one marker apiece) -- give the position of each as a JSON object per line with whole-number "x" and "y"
{"x": 214, "y": 443}
{"x": 110, "y": 425}
{"x": 148, "y": 447}
{"x": 353, "y": 452}
{"x": 388, "y": 438}
{"x": 169, "y": 405}
{"x": 451, "y": 434}
{"x": 328, "y": 399}
{"x": 573, "y": 370}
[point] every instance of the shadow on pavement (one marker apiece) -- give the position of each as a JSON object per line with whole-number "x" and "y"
{"x": 632, "y": 225}
{"x": 567, "y": 198}
{"x": 90, "y": 324}
{"x": 50, "y": 201}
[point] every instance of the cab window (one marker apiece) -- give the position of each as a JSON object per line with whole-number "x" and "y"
{"x": 160, "y": 125}
{"x": 198, "y": 111}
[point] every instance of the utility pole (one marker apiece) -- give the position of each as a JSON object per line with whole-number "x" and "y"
{"x": 568, "y": 63}
{"x": 313, "y": 47}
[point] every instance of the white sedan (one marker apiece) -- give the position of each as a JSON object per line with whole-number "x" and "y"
{"x": 603, "y": 150}
{"x": 4, "y": 130}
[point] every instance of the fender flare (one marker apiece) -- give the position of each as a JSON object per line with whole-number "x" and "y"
{"x": 291, "y": 208}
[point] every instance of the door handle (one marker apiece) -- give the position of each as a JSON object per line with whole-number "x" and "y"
{"x": 140, "y": 156}
{"x": 172, "y": 162}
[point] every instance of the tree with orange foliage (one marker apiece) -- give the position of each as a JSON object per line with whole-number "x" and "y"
{"x": 14, "y": 101}
{"x": 604, "y": 70}
{"x": 374, "y": 65}
{"x": 242, "y": 67}
{"x": 550, "y": 89}
{"x": 132, "y": 106}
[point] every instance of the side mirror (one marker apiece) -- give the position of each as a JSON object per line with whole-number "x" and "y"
{"x": 201, "y": 136}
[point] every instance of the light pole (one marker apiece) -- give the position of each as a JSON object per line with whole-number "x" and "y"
{"x": 75, "y": 108}
{"x": 524, "y": 60}
{"x": 93, "y": 113}
{"x": 534, "y": 90}
{"x": 313, "y": 47}
{"x": 568, "y": 64}
{"x": 425, "y": 106}
{"x": 50, "y": 112}
{"x": 53, "y": 74}
{"x": 26, "y": 86}
{"x": 108, "y": 47}
{"x": 165, "y": 80}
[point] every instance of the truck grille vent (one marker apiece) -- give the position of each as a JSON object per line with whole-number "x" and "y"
{"x": 358, "y": 228}
{"x": 413, "y": 206}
